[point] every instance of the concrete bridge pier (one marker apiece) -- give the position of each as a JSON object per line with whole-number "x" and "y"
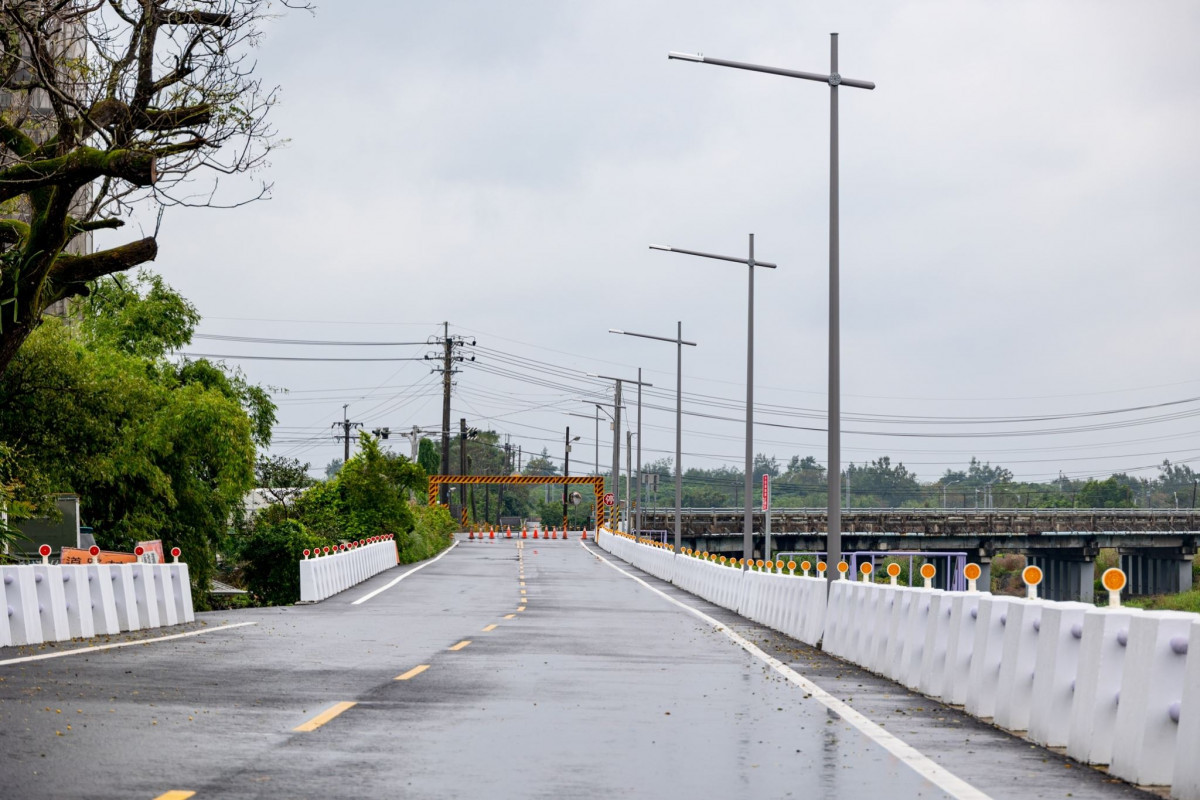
{"x": 1153, "y": 572}
{"x": 1067, "y": 576}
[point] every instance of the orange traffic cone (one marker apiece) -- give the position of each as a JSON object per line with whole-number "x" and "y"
{"x": 508, "y": 533}
{"x": 492, "y": 535}
{"x": 584, "y": 534}
{"x": 472, "y": 535}
{"x": 555, "y": 534}
{"x": 524, "y": 533}
{"x": 535, "y": 533}
{"x": 564, "y": 533}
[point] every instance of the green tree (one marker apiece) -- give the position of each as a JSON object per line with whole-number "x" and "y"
{"x": 282, "y": 478}
{"x": 105, "y": 106}
{"x": 270, "y": 556}
{"x": 1109, "y": 493}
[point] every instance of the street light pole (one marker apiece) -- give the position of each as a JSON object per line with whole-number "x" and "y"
{"x": 749, "y": 261}
{"x": 679, "y": 342}
{"x": 616, "y": 462}
{"x": 834, "y": 507}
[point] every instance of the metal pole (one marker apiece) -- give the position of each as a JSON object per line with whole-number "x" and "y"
{"x": 628, "y": 474}
{"x": 679, "y": 437}
{"x": 616, "y": 455}
{"x": 748, "y": 522}
{"x": 566, "y": 473}
{"x": 637, "y": 478}
{"x": 833, "y": 543}
{"x": 447, "y": 347}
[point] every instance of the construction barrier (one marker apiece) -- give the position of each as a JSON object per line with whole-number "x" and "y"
{"x": 1116, "y": 686}
{"x": 55, "y": 603}
{"x": 323, "y": 576}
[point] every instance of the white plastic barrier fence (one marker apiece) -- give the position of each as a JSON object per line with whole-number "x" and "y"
{"x": 1185, "y": 785}
{"x": 324, "y": 575}
{"x": 55, "y": 603}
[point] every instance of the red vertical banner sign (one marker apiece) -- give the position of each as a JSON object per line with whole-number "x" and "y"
{"x": 766, "y": 492}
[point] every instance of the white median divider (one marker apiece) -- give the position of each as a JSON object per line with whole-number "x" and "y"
{"x": 55, "y": 603}
{"x": 327, "y": 572}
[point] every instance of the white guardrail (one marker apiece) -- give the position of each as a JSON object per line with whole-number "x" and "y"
{"x": 1116, "y": 686}
{"x": 333, "y": 570}
{"x": 53, "y": 603}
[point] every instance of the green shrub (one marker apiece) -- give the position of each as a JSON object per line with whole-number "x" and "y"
{"x": 432, "y": 532}
{"x": 272, "y": 555}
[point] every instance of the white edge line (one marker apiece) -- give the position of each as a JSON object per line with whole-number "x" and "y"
{"x": 385, "y": 587}
{"x": 918, "y": 761}
{"x": 114, "y": 645}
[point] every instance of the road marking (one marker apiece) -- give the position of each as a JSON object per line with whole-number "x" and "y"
{"x": 920, "y": 763}
{"x": 324, "y": 716}
{"x": 176, "y": 794}
{"x": 509, "y": 616}
{"x": 412, "y": 673}
{"x": 461, "y": 644}
{"x": 522, "y": 591}
{"x": 489, "y": 628}
{"x": 97, "y": 647}
{"x": 521, "y": 608}
{"x": 382, "y": 589}
{"x": 522, "y": 582}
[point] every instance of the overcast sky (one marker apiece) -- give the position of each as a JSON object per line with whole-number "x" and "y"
{"x": 1020, "y": 199}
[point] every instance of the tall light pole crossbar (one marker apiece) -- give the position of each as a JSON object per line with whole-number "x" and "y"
{"x": 751, "y": 262}
{"x": 834, "y": 80}
{"x": 679, "y": 342}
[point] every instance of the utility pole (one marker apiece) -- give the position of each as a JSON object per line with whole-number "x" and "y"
{"x": 566, "y": 472}
{"x": 346, "y": 425}
{"x": 447, "y": 358}
{"x": 462, "y": 461}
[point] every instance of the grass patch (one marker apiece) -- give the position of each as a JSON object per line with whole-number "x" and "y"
{"x": 1184, "y": 601}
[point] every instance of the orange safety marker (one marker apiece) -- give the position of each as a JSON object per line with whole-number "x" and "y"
{"x": 805, "y": 566}
{"x": 843, "y": 568}
{"x": 893, "y": 571}
{"x": 972, "y": 572}
{"x": 1032, "y": 576}
{"x": 821, "y": 568}
{"x": 927, "y": 572}
{"x": 508, "y": 532}
{"x": 1113, "y": 580}
{"x": 791, "y": 565}
{"x": 866, "y": 568}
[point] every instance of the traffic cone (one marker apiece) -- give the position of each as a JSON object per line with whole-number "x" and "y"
{"x": 564, "y": 533}
{"x": 554, "y": 535}
{"x": 535, "y": 533}
{"x": 472, "y": 535}
{"x": 492, "y": 535}
{"x": 584, "y": 537}
{"x": 508, "y": 533}
{"x": 524, "y": 533}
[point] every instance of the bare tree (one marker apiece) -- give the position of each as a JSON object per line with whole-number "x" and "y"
{"x": 105, "y": 104}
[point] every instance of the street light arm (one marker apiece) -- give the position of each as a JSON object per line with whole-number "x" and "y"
{"x": 701, "y": 254}
{"x": 832, "y": 80}
{"x": 650, "y": 336}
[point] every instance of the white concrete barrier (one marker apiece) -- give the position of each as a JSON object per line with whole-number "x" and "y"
{"x": 1098, "y": 684}
{"x": 1149, "y": 708}
{"x": 1018, "y": 662}
{"x": 932, "y": 679}
{"x": 1185, "y": 784}
{"x": 54, "y": 603}
{"x": 986, "y": 653}
{"x": 324, "y": 576}
{"x": 960, "y": 646}
{"x": 1057, "y": 665}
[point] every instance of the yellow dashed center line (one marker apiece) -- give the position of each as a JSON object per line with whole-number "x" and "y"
{"x": 489, "y": 628}
{"x": 522, "y": 608}
{"x": 324, "y": 717}
{"x": 175, "y": 794}
{"x": 412, "y": 673}
{"x": 509, "y": 616}
{"x": 522, "y": 591}
{"x": 522, "y": 583}
{"x": 461, "y": 644}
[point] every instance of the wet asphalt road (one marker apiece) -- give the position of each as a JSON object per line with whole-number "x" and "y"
{"x": 599, "y": 687}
